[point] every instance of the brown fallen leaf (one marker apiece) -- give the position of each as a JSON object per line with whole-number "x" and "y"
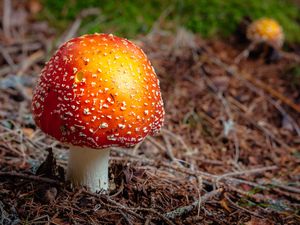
{"x": 224, "y": 204}
{"x": 58, "y": 221}
{"x": 258, "y": 221}
{"x": 27, "y": 131}
{"x": 34, "y": 6}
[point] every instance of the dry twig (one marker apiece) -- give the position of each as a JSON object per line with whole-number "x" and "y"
{"x": 29, "y": 177}
{"x": 187, "y": 209}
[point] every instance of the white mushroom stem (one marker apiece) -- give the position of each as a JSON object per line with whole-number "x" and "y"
{"x": 89, "y": 167}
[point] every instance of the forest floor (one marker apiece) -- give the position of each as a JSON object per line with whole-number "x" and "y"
{"x": 229, "y": 152}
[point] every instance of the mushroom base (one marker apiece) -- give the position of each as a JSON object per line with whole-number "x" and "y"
{"x": 89, "y": 167}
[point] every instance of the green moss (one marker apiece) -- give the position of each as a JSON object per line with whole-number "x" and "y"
{"x": 207, "y": 17}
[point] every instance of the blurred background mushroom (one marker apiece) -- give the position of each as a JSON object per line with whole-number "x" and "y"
{"x": 266, "y": 36}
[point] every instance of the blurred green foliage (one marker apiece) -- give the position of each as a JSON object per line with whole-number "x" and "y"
{"x": 207, "y": 17}
{"x": 293, "y": 75}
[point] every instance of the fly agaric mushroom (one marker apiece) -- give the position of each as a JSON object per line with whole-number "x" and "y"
{"x": 266, "y": 30}
{"x": 97, "y": 91}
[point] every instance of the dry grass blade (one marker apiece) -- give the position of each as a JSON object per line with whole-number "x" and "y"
{"x": 32, "y": 59}
{"x": 6, "y": 18}
{"x": 246, "y": 172}
{"x": 71, "y": 32}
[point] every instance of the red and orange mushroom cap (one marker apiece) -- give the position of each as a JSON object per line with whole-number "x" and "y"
{"x": 98, "y": 91}
{"x": 266, "y": 30}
